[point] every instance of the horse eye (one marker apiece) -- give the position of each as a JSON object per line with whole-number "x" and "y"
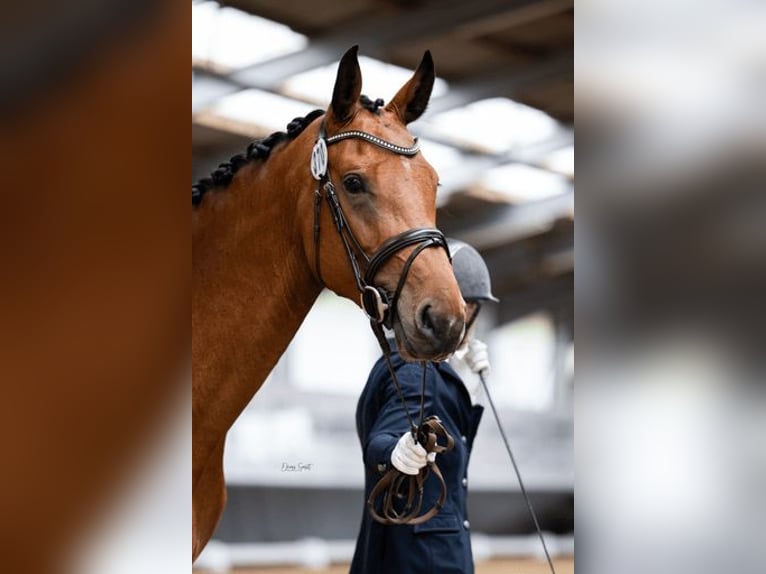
{"x": 353, "y": 184}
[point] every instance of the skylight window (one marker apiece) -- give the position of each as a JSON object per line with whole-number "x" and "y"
{"x": 494, "y": 125}
{"x": 230, "y": 39}
{"x": 263, "y": 109}
{"x": 379, "y": 80}
{"x": 522, "y": 183}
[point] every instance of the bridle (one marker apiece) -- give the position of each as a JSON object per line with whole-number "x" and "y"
{"x": 375, "y": 301}
{"x": 382, "y": 309}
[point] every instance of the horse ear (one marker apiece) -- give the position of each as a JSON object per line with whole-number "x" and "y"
{"x": 411, "y": 100}
{"x": 348, "y": 86}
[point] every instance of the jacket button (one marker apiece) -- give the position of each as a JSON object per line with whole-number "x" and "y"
{"x": 466, "y": 524}
{"x": 463, "y": 438}
{"x": 465, "y": 482}
{"x": 381, "y": 467}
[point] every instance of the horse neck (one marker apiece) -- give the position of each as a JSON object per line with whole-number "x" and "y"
{"x": 252, "y": 288}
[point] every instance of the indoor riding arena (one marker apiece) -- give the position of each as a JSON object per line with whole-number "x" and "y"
{"x": 499, "y": 132}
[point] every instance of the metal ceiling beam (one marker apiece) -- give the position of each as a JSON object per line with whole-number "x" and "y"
{"x": 500, "y": 83}
{"x": 208, "y": 88}
{"x": 504, "y": 22}
{"x": 515, "y": 222}
{"x": 472, "y": 167}
{"x": 376, "y": 33}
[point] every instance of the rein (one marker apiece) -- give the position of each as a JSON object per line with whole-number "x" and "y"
{"x": 392, "y": 483}
{"x": 382, "y": 309}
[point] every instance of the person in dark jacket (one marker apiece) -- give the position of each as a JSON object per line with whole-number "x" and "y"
{"x": 442, "y": 543}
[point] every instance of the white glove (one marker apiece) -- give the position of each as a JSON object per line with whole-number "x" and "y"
{"x": 408, "y": 456}
{"x": 476, "y": 357}
{"x": 472, "y": 384}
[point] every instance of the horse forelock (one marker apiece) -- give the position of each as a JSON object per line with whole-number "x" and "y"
{"x": 258, "y": 150}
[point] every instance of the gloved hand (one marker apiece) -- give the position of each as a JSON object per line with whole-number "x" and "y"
{"x": 476, "y": 357}
{"x": 408, "y": 456}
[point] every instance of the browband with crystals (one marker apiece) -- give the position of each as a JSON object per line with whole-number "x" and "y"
{"x": 376, "y": 141}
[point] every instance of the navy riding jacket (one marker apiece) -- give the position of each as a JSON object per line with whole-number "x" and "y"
{"x": 442, "y": 544}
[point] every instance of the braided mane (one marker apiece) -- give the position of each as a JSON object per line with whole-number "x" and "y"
{"x": 260, "y": 150}
{"x": 257, "y": 150}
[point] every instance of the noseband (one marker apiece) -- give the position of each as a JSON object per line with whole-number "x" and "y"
{"x": 375, "y": 300}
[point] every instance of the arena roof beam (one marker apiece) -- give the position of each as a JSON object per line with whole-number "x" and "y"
{"x": 378, "y": 32}
{"x": 514, "y": 222}
{"x": 499, "y": 83}
{"x": 472, "y": 167}
{"x": 208, "y": 88}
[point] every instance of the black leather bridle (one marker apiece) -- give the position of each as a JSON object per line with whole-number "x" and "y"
{"x": 382, "y": 310}
{"x": 375, "y": 300}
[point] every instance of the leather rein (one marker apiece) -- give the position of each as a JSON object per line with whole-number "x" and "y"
{"x": 382, "y": 309}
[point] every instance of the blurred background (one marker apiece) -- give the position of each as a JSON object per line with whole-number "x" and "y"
{"x": 499, "y": 131}
{"x": 671, "y": 245}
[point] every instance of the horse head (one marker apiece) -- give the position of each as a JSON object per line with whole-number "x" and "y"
{"x": 385, "y": 188}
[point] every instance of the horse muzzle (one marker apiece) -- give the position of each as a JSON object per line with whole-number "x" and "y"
{"x": 432, "y": 334}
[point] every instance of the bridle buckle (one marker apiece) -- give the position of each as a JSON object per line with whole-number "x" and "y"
{"x": 374, "y": 303}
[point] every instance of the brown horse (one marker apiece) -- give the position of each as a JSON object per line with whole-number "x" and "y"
{"x": 259, "y": 264}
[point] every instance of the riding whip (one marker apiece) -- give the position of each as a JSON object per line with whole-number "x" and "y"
{"x": 516, "y": 468}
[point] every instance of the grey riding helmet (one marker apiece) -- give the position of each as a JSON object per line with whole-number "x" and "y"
{"x": 470, "y": 271}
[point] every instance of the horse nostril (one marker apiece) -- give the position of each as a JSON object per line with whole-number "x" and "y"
{"x": 426, "y": 320}
{"x": 438, "y": 329}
